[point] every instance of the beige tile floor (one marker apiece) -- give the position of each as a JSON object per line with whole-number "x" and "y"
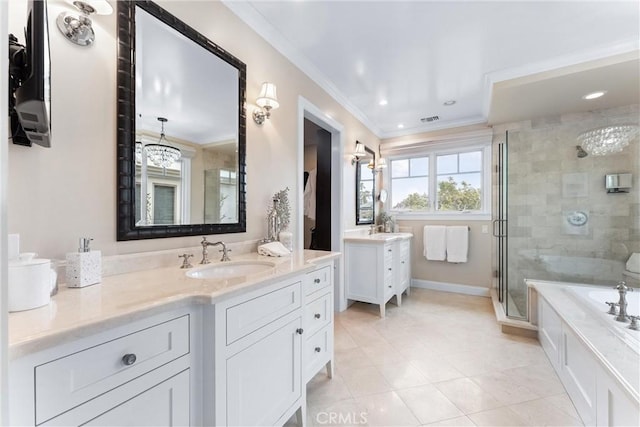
{"x": 440, "y": 359}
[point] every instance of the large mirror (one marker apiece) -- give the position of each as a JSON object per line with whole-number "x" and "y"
{"x": 365, "y": 188}
{"x": 181, "y": 129}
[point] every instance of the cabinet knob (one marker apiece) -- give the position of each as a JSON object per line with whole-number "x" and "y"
{"x": 299, "y": 331}
{"x": 390, "y": 286}
{"x": 129, "y": 359}
{"x": 318, "y": 349}
{"x": 389, "y": 250}
{"x": 317, "y": 315}
{"x": 389, "y": 269}
{"x": 402, "y": 262}
{"x": 317, "y": 280}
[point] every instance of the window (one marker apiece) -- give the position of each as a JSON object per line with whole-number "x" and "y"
{"x": 452, "y": 181}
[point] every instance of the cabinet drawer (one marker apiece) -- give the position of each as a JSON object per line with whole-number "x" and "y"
{"x": 74, "y": 379}
{"x": 388, "y": 253}
{"x": 317, "y": 280}
{"x": 404, "y": 248}
{"x": 318, "y": 313}
{"x": 249, "y": 316}
{"x": 317, "y": 352}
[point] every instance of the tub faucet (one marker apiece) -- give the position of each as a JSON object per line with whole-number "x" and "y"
{"x": 622, "y": 289}
{"x": 205, "y": 252}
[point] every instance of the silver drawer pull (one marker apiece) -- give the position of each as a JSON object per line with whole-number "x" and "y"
{"x": 318, "y": 349}
{"x": 317, "y": 315}
{"x": 129, "y": 359}
{"x": 299, "y": 331}
{"x": 316, "y": 280}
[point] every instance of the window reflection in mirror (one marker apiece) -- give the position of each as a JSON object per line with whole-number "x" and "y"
{"x": 192, "y": 180}
{"x": 365, "y": 188}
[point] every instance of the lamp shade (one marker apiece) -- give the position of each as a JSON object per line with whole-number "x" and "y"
{"x": 359, "y": 150}
{"x": 381, "y": 163}
{"x": 268, "y": 97}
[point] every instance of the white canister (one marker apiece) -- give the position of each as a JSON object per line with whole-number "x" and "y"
{"x": 30, "y": 284}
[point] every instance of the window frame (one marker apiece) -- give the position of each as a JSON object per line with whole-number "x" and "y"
{"x": 442, "y": 150}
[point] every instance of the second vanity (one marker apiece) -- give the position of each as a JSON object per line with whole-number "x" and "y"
{"x": 156, "y": 347}
{"x": 378, "y": 267}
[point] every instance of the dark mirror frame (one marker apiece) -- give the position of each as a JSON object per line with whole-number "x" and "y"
{"x": 359, "y": 163}
{"x": 126, "y": 227}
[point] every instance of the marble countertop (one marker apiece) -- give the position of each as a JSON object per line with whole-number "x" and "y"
{"x": 122, "y": 298}
{"x": 377, "y": 237}
{"x": 614, "y": 353}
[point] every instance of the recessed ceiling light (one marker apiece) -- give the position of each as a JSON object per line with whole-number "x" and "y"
{"x": 400, "y": 126}
{"x": 594, "y": 95}
{"x": 383, "y": 102}
{"x": 449, "y": 103}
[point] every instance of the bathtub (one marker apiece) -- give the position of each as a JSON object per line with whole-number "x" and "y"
{"x": 595, "y": 298}
{"x": 596, "y": 358}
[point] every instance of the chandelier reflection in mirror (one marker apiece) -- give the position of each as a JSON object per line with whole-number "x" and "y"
{"x": 161, "y": 154}
{"x": 607, "y": 140}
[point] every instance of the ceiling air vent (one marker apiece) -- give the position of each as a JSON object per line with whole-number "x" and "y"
{"x": 429, "y": 119}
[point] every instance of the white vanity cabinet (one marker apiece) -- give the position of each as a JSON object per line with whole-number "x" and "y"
{"x": 318, "y": 321}
{"x": 376, "y": 269}
{"x": 140, "y": 374}
{"x": 255, "y": 356}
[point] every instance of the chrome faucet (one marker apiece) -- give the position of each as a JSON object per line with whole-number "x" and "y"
{"x": 374, "y": 229}
{"x": 622, "y": 289}
{"x": 205, "y": 252}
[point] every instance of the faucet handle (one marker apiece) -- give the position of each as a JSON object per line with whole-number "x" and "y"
{"x": 622, "y": 287}
{"x": 204, "y": 241}
{"x": 185, "y": 261}
{"x": 225, "y": 253}
{"x": 634, "y": 323}
{"x": 612, "y": 307}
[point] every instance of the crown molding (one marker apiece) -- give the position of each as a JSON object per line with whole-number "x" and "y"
{"x": 590, "y": 58}
{"x": 250, "y": 16}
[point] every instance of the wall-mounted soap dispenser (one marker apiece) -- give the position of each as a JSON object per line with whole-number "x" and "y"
{"x": 84, "y": 267}
{"x": 618, "y": 183}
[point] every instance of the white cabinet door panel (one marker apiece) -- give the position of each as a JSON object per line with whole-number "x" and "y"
{"x": 264, "y": 379}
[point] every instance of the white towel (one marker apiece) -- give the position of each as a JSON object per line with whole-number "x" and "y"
{"x": 273, "y": 249}
{"x": 434, "y": 239}
{"x": 457, "y": 243}
{"x": 310, "y": 195}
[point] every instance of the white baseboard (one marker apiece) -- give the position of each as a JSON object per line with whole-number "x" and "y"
{"x": 450, "y": 287}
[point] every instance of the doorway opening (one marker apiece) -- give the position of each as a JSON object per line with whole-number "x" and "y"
{"x": 324, "y": 151}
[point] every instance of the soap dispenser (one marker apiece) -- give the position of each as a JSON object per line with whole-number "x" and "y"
{"x": 84, "y": 267}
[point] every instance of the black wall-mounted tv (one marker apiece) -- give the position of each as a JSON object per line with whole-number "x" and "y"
{"x": 30, "y": 80}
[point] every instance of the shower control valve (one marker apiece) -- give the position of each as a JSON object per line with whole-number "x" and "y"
{"x": 634, "y": 323}
{"x": 612, "y": 307}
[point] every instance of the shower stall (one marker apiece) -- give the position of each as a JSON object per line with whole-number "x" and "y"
{"x": 553, "y": 217}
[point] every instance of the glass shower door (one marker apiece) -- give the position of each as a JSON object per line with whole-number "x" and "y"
{"x": 511, "y": 293}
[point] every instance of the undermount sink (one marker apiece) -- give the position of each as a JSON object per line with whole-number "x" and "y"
{"x": 228, "y": 270}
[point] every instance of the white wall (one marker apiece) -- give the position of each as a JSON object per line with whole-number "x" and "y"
{"x": 4, "y": 404}
{"x": 57, "y": 195}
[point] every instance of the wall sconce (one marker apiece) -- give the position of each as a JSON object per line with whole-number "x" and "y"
{"x": 358, "y": 153}
{"x": 378, "y": 165}
{"x": 78, "y": 29}
{"x": 267, "y": 101}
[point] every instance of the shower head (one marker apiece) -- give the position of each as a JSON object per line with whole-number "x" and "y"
{"x": 581, "y": 152}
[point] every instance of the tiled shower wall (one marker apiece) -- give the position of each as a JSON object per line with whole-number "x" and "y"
{"x": 547, "y": 183}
